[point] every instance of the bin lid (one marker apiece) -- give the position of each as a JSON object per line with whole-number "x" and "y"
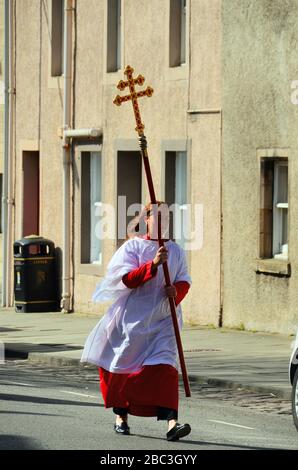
{"x": 33, "y": 240}
{"x": 32, "y": 236}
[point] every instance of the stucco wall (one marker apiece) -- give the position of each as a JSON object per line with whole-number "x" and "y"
{"x": 259, "y": 62}
{"x": 165, "y": 116}
{"x": 1, "y": 107}
{"x": 38, "y": 116}
{"x": 146, "y": 48}
{"x": 243, "y": 57}
{"x": 204, "y": 130}
{"x": 1, "y": 84}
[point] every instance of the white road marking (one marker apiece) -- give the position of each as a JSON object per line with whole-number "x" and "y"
{"x": 10, "y": 382}
{"x": 229, "y": 424}
{"x": 78, "y": 394}
{"x": 17, "y": 383}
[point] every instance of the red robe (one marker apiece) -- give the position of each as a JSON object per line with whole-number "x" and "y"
{"x": 154, "y": 386}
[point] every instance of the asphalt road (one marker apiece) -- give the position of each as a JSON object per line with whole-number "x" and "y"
{"x": 61, "y": 408}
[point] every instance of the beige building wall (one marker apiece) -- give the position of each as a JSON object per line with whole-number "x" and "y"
{"x": 229, "y": 106}
{"x": 38, "y": 116}
{"x": 203, "y": 127}
{"x": 259, "y": 64}
{"x": 1, "y": 107}
{"x": 185, "y": 108}
{"x": 1, "y": 84}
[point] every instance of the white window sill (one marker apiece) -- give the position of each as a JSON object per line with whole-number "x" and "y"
{"x": 282, "y": 256}
{"x": 280, "y": 267}
{"x": 91, "y": 269}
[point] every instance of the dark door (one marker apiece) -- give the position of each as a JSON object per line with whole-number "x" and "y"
{"x": 30, "y": 193}
{"x": 129, "y": 184}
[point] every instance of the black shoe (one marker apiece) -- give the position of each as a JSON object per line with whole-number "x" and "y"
{"x": 179, "y": 430}
{"x": 122, "y": 428}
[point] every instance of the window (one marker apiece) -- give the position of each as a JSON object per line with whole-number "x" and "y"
{"x": 183, "y": 32}
{"x": 176, "y": 192}
{"x": 177, "y": 33}
{"x": 274, "y": 208}
{"x": 57, "y": 38}
{"x": 280, "y": 210}
{"x": 114, "y": 36}
{"x": 91, "y": 248}
{"x": 129, "y": 186}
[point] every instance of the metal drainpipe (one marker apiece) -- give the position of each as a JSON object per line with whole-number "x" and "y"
{"x": 66, "y": 301}
{"x": 221, "y": 261}
{"x": 9, "y": 158}
{"x": 6, "y": 131}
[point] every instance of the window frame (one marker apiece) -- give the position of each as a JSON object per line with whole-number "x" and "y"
{"x": 177, "y": 147}
{"x": 179, "y": 189}
{"x": 278, "y": 208}
{"x": 57, "y": 38}
{"x": 87, "y": 268}
{"x": 178, "y": 33}
{"x": 114, "y": 40}
{"x": 119, "y": 154}
{"x": 183, "y": 32}
{"x": 265, "y": 264}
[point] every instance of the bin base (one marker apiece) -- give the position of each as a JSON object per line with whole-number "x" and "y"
{"x": 38, "y": 307}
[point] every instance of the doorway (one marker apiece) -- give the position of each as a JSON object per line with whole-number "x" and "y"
{"x": 30, "y": 193}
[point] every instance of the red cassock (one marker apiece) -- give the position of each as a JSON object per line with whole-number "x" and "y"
{"x": 154, "y": 385}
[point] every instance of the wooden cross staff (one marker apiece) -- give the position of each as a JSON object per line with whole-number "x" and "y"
{"x": 133, "y": 96}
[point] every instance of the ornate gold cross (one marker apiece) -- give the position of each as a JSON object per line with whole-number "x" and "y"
{"x": 133, "y": 96}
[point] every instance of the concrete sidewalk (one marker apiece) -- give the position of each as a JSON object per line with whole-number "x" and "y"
{"x": 255, "y": 361}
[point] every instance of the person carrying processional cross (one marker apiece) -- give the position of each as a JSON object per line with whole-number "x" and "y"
{"x": 135, "y": 345}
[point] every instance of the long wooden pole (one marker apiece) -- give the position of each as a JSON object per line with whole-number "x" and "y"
{"x": 133, "y": 96}
{"x": 143, "y": 146}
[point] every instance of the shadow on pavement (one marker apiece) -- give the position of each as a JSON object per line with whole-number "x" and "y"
{"x": 45, "y": 401}
{"x": 205, "y": 443}
{"x": 29, "y": 413}
{"x": 11, "y": 442}
{"x": 22, "y": 350}
{"x": 4, "y": 329}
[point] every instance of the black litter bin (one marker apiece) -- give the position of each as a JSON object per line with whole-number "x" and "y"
{"x": 35, "y": 283}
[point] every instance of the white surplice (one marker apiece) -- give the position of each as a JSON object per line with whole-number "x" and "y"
{"x": 137, "y": 329}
